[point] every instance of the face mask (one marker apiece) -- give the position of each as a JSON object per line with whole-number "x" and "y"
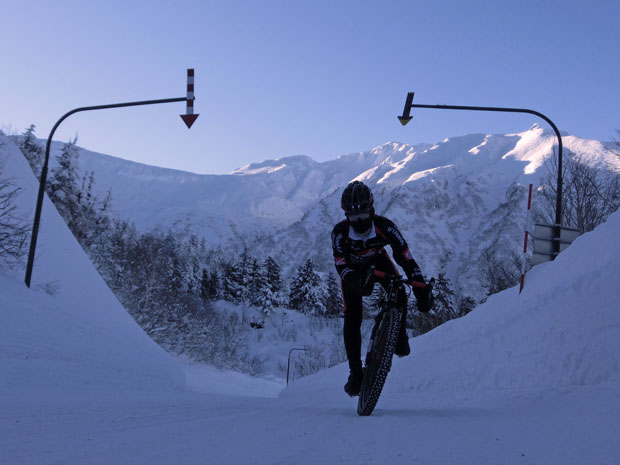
{"x": 361, "y": 226}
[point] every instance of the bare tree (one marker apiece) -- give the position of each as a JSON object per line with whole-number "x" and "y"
{"x": 13, "y": 229}
{"x": 499, "y": 270}
{"x": 590, "y": 194}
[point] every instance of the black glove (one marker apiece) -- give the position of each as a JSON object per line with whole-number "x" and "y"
{"x": 423, "y": 295}
{"x": 424, "y": 298}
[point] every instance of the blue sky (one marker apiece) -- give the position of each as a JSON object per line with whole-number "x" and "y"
{"x": 319, "y": 78}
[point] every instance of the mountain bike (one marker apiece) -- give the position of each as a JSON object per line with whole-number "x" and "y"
{"x": 383, "y": 339}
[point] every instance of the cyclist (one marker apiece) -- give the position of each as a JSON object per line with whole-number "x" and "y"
{"x": 358, "y": 242}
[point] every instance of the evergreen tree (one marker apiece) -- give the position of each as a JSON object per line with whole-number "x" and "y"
{"x": 274, "y": 281}
{"x": 63, "y": 186}
{"x": 191, "y": 255}
{"x": 84, "y": 223}
{"x": 445, "y": 303}
{"x": 114, "y": 255}
{"x": 333, "y": 303}
{"x": 261, "y": 295}
{"x": 101, "y": 227}
{"x": 31, "y": 149}
{"x": 308, "y": 294}
{"x": 232, "y": 283}
{"x": 255, "y": 281}
{"x": 245, "y": 274}
{"x": 205, "y": 282}
{"x": 214, "y": 286}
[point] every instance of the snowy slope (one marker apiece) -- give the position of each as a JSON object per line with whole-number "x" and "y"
{"x": 81, "y": 335}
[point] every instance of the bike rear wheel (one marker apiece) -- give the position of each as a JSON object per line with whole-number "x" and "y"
{"x": 379, "y": 361}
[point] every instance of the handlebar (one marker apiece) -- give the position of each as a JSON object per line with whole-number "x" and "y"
{"x": 395, "y": 277}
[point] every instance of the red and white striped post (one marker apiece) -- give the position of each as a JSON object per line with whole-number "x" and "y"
{"x": 527, "y": 227}
{"x": 189, "y": 117}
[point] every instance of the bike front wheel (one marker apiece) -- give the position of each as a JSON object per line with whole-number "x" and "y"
{"x": 379, "y": 361}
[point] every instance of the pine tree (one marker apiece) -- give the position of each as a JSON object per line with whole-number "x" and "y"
{"x": 101, "y": 227}
{"x": 444, "y": 306}
{"x": 205, "y": 282}
{"x": 261, "y": 295}
{"x": 245, "y": 274}
{"x": 214, "y": 286}
{"x": 232, "y": 283}
{"x": 191, "y": 255}
{"x": 84, "y": 223}
{"x": 31, "y": 149}
{"x": 295, "y": 297}
{"x": 274, "y": 281}
{"x": 63, "y": 186}
{"x": 255, "y": 281}
{"x": 308, "y": 293}
{"x": 333, "y": 304}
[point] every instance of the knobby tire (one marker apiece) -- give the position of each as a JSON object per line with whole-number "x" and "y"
{"x": 379, "y": 361}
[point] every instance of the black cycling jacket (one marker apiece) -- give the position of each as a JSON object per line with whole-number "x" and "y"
{"x": 353, "y": 253}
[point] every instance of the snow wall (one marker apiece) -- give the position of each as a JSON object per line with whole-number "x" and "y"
{"x": 68, "y": 330}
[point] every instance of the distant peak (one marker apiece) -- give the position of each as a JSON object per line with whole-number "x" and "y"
{"x": 546, "y": 129}
{"x": 269, "y": 166}
{"x": 389, "y": 145}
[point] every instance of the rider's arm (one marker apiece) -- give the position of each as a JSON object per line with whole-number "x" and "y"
{"x": 400, "y": 249}
{"x": 340, "y": 252}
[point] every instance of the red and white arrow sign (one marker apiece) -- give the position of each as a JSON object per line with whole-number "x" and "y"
{"x": 189, "y": 117}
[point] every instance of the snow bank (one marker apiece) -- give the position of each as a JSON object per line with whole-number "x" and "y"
{"x": 563, "y": 330}
{"x": 69, "y": 330}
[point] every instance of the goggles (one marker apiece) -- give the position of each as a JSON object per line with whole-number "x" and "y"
{"x": 359, "y": 217}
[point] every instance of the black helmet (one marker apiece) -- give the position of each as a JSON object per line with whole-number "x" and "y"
{"x": 356, "y": 198}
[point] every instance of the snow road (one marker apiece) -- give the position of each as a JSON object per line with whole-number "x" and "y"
{"x": 573, "y": 426}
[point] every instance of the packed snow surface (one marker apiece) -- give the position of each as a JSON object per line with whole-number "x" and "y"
{"x": 524, "y": 379}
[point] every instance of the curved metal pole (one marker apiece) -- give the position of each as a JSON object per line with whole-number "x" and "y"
{"x": 288, "y": 368}
{"x": 405, "y": 118}
{"x": 37, "y": 213}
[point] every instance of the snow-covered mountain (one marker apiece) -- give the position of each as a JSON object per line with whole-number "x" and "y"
{"x": 452, "y": 200}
